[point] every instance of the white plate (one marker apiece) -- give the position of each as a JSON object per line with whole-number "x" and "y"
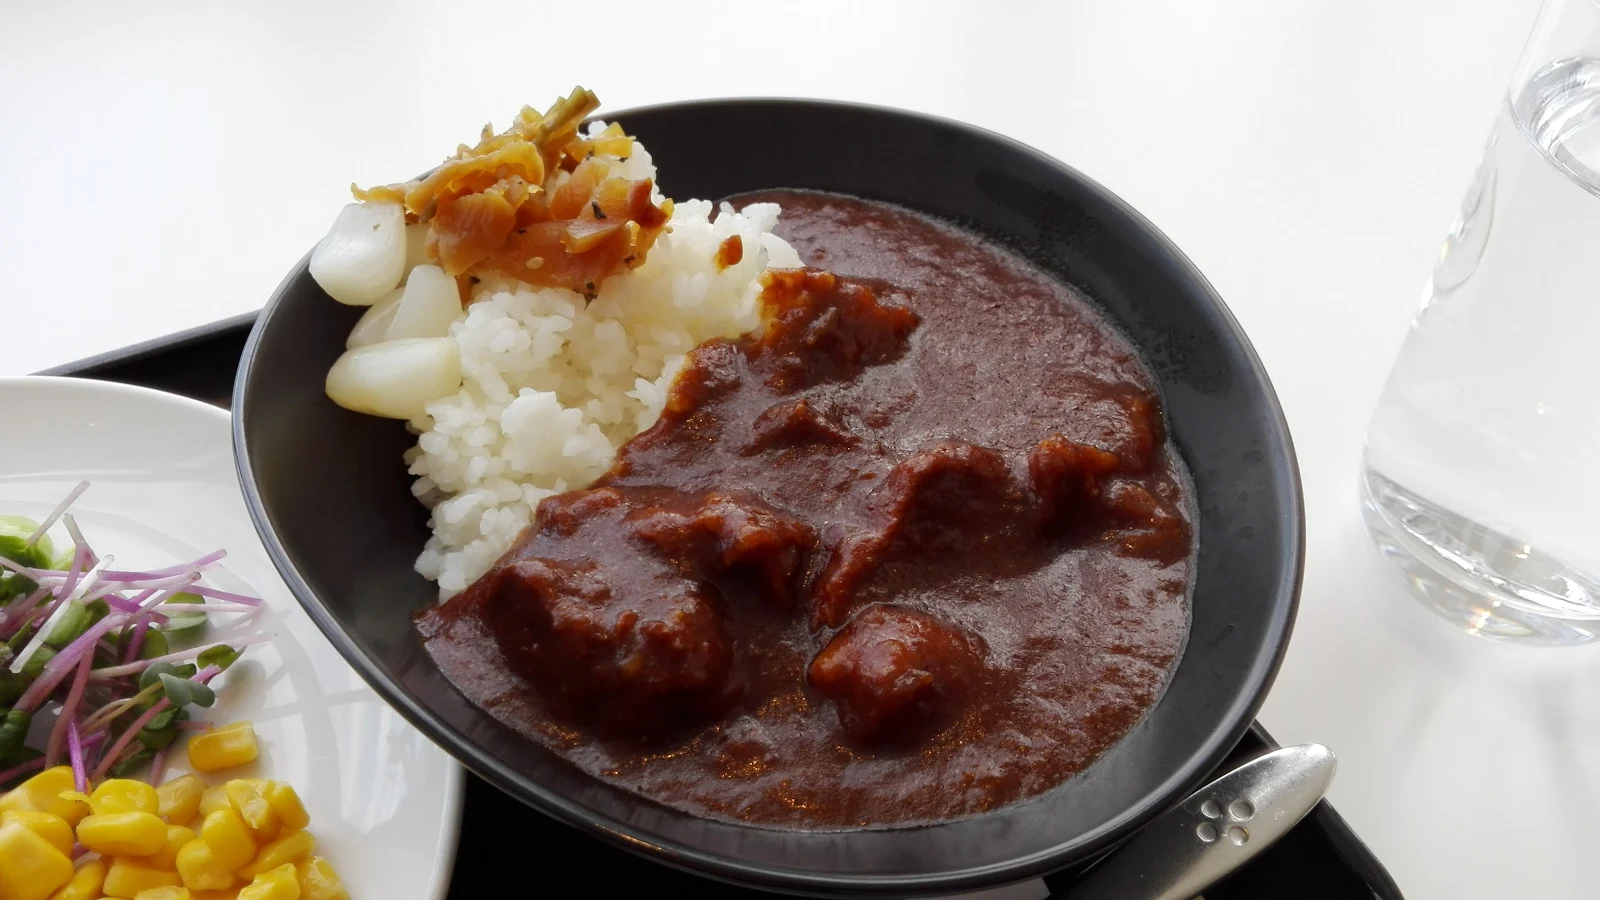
{"x": 385, "y": 803}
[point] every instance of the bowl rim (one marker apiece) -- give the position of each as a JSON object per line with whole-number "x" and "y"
{"x": 1212, "y": 751}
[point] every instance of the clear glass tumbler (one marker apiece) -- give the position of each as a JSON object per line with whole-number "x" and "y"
{"x": 1481, "y": 476}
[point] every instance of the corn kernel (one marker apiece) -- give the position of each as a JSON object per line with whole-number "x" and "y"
{"x": 180, "y": 799}
{"x": 78, "y": 797}
{"x": 123, "y": 795}
{"x": 229, "y": 838}
{"x": 164, "y": 893}
{"x": 200, "y": 869}
{"x": 85, "y": 883}
{"x": 52, "y": 828}
{"x": 123, "y": 834}
{"x": 213, "y": 799}
{"x": 33, "y": 867}
{"x": 318, "y": 881}
{"x": 15, "y": 799}
{"x": 214, "y": 895}
{"x": 223, "y": 748}
{"x": 286, "y": 803}
{"x": 167, "y": 856}
{"x": 42, "y": 793}
{"x": 274, "y": 884}
{"x": 291, "y": 848}
{"x": 127, "y": 877}
{"x": 245, "y": 795}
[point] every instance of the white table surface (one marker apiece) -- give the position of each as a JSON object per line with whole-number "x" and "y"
{"x": 163, "y": 164}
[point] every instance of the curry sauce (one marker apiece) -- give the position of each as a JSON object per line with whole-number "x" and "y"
{"x": 919, "y": 549}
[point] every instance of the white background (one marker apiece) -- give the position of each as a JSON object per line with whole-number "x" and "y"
{"x": 162, "y": 165}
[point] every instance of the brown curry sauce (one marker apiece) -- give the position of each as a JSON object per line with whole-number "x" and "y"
{"x": 918, "y": 551}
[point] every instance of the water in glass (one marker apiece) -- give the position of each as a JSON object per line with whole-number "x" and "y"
{"x": 1480, "y": 476}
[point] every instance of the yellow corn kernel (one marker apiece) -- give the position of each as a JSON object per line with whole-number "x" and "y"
{"x": 200, "y": 869}
{"x": 33, "y": 867}
{"x": 42, "y": 793}
{"x": 286, "y": 803}
{"x": 274, "y": 884}
{"x": 123, "y": 834}
{"x": 167, "y": 856}
{"x": 213, "y": 799}
{"x": 180, "y": 799}
{"x": 79, "y": 797}
{"x": 291, "y": 848}
{"x": 164, "y": 893}
{"x": 127, "y": 877}
{"x": 52, "y": 828}
{"x": 229, "y": 838}
{"x": 214, "y": 895}
{"x": 122, "y": 795}
{"x": 85, "y": 883}
{"x": 223, "y": 748}
{"x": 245, "y": 795}
{"x": 318, "y": 881}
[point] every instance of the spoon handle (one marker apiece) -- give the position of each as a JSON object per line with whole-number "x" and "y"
{"x": 1215, "y": 831}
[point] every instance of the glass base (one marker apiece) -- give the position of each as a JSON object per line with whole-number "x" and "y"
{"x": 1486, "y": 582}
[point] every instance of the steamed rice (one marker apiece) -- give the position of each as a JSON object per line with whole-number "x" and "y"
{"x": 553, "y": 385}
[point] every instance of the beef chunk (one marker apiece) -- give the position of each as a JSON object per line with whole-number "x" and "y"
{"x": 936, "y": 502}
{"x": 820, "y": 328}
{"x": 563, "y": 515}
{"x": 730, "y": 536}
{"x": 1144, "y": 525}
{"x": 796, "y": 423}
{"x": 1126, "y": 421}
{"x": 894, "y": 670}
{"x": 1067, "y": 479}
{"x": 631, "y": 661}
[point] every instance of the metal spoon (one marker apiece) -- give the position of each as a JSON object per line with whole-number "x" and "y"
{"x": 1206, "y": 837}
{"x": 1215, "y": 831}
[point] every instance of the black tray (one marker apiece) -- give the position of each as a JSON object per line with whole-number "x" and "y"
{"x": 1321, "y": 859}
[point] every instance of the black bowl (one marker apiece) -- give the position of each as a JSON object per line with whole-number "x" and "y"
{"x": 329, "y": 494}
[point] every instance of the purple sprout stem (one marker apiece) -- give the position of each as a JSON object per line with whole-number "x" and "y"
{"x": 132, "y": 731}
{"x": 128, "y": 734}
{"x": 158, "y": 766}
{"x": 68, "y": 712}
{"x": 111, "y": 672}
{"x": 80, "y": 775}
{"x": 229, "y": 596}
{"x": 137, "y": 641}
{"x": 19, "y": 610}
{"x": 80, "y": 558}
{"x": 23, "y": 769}
{"x": 148, "y": 583}
{"x": 184, "y": 569}
{"x": 58, "y": 667}
{"x": 30, "y": 574}
{"x": 107, "y": 714}
{"x": 89, "y": 744}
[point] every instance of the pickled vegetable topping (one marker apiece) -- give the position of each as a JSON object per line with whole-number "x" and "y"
{"x": 539, "y": 202}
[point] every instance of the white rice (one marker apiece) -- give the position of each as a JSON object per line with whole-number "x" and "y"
{"x": 553, "y": 386}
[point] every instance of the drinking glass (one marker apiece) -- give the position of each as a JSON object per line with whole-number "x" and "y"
{"x": 1481, "y": 476}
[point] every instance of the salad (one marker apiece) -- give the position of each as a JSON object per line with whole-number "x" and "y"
{"x": 102, "y": 668}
